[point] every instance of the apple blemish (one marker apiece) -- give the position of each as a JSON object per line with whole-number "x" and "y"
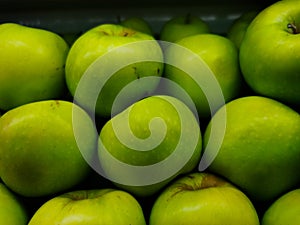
{"x": 293, "y": 27}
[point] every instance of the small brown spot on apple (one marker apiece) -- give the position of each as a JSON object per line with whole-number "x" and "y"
{"x": 57, "y": 102}
{"x": 136, "y": 73}
{"x": 127, "y": 32}
{"x": 104, "y": 32}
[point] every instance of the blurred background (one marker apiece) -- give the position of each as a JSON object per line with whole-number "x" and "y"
{"x": 69, "y": 16}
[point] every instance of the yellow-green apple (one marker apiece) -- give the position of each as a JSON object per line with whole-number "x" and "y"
{"x": 39, "y": 154}
{"x": 118, "y": 56}
{"x": 182, "y": 26}
{"x": 148, "y": 144}
{"x": 32, "y": 65}
{"x": 260, "y": 150}
{"x": 284, "y": 210}
{"x": 238, "y": 28}
{"x": 215, "y": 60}
{"x": 12, "y": 210}
{"x": 202, "y": 199}
{"x": 137, "y": 23}
{"x": 90, "y": 207}
{"x": 269, "y": 52}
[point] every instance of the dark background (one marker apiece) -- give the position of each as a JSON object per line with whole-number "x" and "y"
{"x": 69, "y": 16}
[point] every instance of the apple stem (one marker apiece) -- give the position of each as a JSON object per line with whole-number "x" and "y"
{"x": 187, "y": 18}
{"x": 119, "y": 19}
{"x": 293, "y": 27}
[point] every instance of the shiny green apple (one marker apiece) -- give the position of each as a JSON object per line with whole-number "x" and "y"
{"x": 12, "y": 210}
{"x": 147, "y": 145}
{"x": 39, "y": 154}
{"x": 260, "y": 150}
{"x": 202, "y": 199}
{"x": 32, "y": 65}
{"x": 182, "y": 26}
{"x": 118, "y": 56}
{"x": 270, "y": 52}
{"x": 284, "y": 210}
{"x": 90, "y": 207}
{"x": 216, "y": 54}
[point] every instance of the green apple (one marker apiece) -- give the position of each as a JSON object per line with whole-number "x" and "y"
{"x": 39, "y": 154}
{"x": 238, "y": 28}
{"x": 270, "y": 51}
{"x": 181, "y": 26}
{"x": 12, "y": 210}
{"x": 32, "y": 65}
{"x": 90, "y": 207}
{"x": 213, "y": 57}
{"x": 118, "y": 56}
{"x": 260, "y": 151}
{"x": 137, "y": 23}
{"x": 284, "y": 210}
{"x": 148, "y": 144}
{"x": 203, "y": 199}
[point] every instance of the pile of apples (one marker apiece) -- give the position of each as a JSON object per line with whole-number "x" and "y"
{"x": 120, "y": 125}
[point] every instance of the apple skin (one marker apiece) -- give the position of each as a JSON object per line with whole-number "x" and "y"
{"x": 39, "y": 154}
{"x": 12, "y": 211}
{"x": 202, "y": 199}
{"x": 90, "y": 207}
{"x": 219, "y": 54}
{"x": 269, "y": 55}
{"x": 262, "y": 144}
{"x": 102, "y": 39}
{"x": 284, "y": 210}
{"x": 149, "y": 176}
{"x": 179, "y": 27}
{"x": 31, "y": 66}
{"x": 137, "y": 23}
{"x": 238, "y": 28}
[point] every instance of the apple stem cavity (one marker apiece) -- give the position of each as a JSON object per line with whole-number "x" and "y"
{"x": 293, "y": 27}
